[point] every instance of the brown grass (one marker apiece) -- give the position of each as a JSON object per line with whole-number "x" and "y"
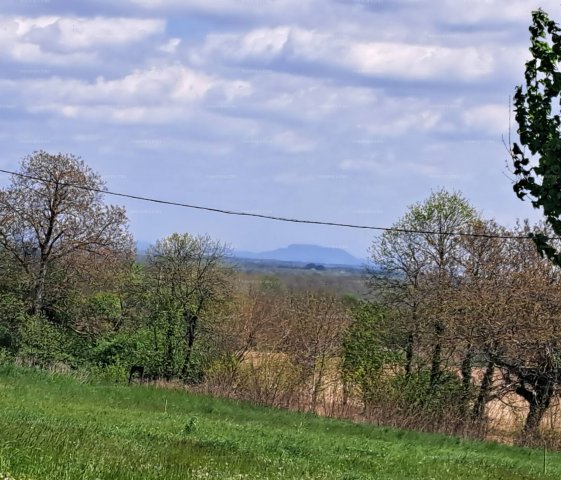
{"x": 272, "y": 378}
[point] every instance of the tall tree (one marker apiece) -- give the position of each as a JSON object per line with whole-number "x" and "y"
{"x": 474, "y": 308}
{"x": 506, "y": 308}
{"x": 537, "y": 165}
{"x": 536, "y": 104}
{"x": 421, "y": 259}
{"x": 188, "y": 273}
{"x": 53, "y": 213}
{"x": 527, "y": 331}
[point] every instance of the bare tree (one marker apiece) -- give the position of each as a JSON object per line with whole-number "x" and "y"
{"x": 316, "y": 328}
{"x": 475, "y": 309}
{"x": 52, "y": 214}
{"x": 507, "y": 311}
{"x": 529, "y": 346}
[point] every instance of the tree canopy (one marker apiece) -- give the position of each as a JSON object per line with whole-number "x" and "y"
{"x": 537, "y": 155}
{"x": 52, "y": 213}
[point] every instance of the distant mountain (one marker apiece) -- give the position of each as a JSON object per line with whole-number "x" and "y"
{"x": 305, "y": 254}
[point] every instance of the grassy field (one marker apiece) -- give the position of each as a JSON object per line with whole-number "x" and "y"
{"x": 54, "y": 427}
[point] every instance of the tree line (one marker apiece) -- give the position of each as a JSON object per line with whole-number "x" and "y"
{"x": 450, "y": 322}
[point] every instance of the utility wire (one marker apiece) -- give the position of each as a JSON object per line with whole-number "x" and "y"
{"x": 258, "y": 215}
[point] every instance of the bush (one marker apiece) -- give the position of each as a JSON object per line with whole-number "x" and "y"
{"x": 116, "y": 349}
{"x": 115, "y": 372}
{"x": 366, "y": 352}
{"x": 264, "y": 378}
{"x": 44, "y": 344}
{"x": 415, "y": 392}
{"x": 12, "y": 316}
{"x": 118, "y": 352}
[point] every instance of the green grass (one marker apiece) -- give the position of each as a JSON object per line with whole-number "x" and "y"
{"x": 54, "y": 427}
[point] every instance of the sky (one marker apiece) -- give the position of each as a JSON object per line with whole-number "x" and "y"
{"x": 338, "y": 110}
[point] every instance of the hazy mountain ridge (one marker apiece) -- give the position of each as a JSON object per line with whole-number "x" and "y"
{"x": 305, "y": 254}
{"x": 298, "y": 253}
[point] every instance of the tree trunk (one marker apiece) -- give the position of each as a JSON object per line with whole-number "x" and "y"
{"x": 539, "y": 400}
{"x": 409, "y": 355}
{"x": 436, "y": 355}
{"x": 169, "y": 351}
{"x": 534, "y": 418}
{"x": 466, "y": 378}
{"x": 39, "y": 289}
{"x": 484, "y": 391}
{"x": 191, "y": 324}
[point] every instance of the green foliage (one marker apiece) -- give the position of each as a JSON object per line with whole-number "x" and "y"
{"x": 200, "y": 361}
{"x": 440, "y": 208}
{"x": 415, "y": 392}
{"x": 45, "y": 344}
{"x": 270, "y": 283}
{"x": 187, "y": 281}
{"x": 365, "y": 350}
{"x": 191, "y": 425}
{"x": 104, "y": 307}
{"x": 125, "y": 348}
{"x": 418, "y": 243}
{"x": 12, "y": 316}
{"x": 537, "y": 113}
{"x": 116, "y": 372}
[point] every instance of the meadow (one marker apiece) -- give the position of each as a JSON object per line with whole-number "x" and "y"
{"x": 55, "y": 426}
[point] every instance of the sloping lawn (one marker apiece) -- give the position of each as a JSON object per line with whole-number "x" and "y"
{"x": 55, "y": 428}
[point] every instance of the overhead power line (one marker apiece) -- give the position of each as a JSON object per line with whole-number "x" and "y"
{"x": 259, "y": 215}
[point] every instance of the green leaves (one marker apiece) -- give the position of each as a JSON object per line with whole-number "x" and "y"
{"x": 536, "y": 105}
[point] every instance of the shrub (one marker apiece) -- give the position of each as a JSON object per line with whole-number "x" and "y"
{"x": 414, "y": 392}
{"x": 12, "y": 316}
{"x": 44, "y": 344}
{"x": 366, "y": 352}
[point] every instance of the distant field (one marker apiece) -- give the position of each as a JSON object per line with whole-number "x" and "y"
{"x": 338, "y": 280}
{"x": 54, "y": 427}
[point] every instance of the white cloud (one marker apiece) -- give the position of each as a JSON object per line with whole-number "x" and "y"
{"x": 284, "y": 97}
{"x": 384, "y": 59}
{"x": 60, "y": 40}
{"x": 156, "y": 95}
{"x": 391, "y": 119}
{"x": 292, "y": 142}
{"x": 239, "y": 8}
{"x": 170, "y": 46}
{"x": 78, "y": 33}
{"x": 139, "y": 87}
{"x": 29, "y": 53}
{"x": 419, "y": 61}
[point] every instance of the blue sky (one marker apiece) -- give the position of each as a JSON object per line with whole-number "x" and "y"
{"x": 338, "y": 110}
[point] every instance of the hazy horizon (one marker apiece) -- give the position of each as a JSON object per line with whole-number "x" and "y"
{"x": 337, "y": 110}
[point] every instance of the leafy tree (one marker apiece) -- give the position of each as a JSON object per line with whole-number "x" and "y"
{"x": 367, "y": 349}
{"x": 527, "y": 330}
{"x": 52, "y": 218}
{"x": 538, "y": 117}
{"x": 421, "y": 259}
{"x": 187, "y": 279}
{"x": 475, "y": 308}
